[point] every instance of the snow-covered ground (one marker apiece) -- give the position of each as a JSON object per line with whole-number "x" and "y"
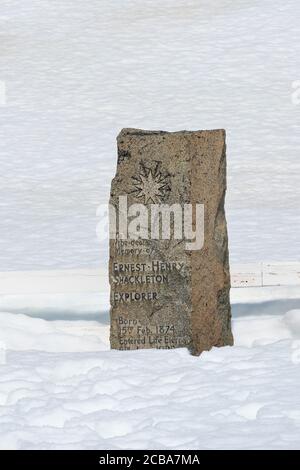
{"x": 61, "y": 386}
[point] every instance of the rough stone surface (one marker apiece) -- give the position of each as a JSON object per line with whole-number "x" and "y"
{"x": 163, "y": 295}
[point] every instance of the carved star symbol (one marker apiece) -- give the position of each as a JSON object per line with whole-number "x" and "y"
{"x": 151, "y": 185}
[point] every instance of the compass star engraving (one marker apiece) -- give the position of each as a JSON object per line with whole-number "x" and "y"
{"x": 151, "y": 184}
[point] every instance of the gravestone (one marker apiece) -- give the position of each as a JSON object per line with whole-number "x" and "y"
{"x": 168, "y": 267}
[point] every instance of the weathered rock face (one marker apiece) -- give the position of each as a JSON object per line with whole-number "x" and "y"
{"x": 163, "y": 293}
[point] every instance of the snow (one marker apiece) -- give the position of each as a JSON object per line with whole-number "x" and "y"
{"x": 292, "y": 320}
{"x": 75, "y": 73}
{"x": 78, "y": 72}
{"x": 62, "y": 388}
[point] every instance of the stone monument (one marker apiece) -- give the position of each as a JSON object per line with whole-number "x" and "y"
{"x": 168, "y": 267}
